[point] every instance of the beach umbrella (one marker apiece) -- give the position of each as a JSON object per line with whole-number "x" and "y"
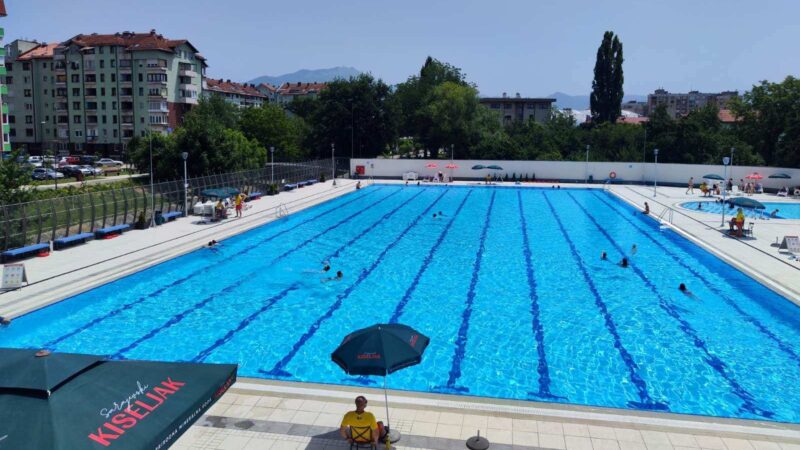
{"x": 754, "y": 176}
{"x": 495, "y": 167}
{"x": 223, "y": 192}
{"x": 65, "y": 401}
{"x": 478, "y": 167}
{"x": 451, "y": 166}
{"x": 784, "y": 176}
{"x": 432, "y": 166}
{"x": 380, "y": 350}
{"x": 713, "y": 176}
{"x": 745, "y": 202}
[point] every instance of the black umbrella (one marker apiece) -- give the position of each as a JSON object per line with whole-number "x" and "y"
{"x": 65, "y": 401}
{"x": 478, "y": 167}
{"x": 784, "y": 176}
{"x": 380, "y": 350}
{"x": 746, "y": 203}
{"x": 494, "y": 167}
{"x": 713, "y": 176}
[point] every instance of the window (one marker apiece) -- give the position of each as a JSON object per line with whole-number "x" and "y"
{"x": 91, "y": 119}
{"x": 102, "y": 77}
{"x": 26, "y": 80}
{"x": 126, "y": 77}
{"x": 114, "y": 120}
{"x": 76, "y": 119}
{"x": 103, "y": 92}
{"x": 113, "y": 92}
{"x": 140, "y": 78}
{"x": 44, "y": 78}
{"x": 103, "y": 106}
{"x": 76, "y": 78}
{"x": 9, "y": 67}
{"x": 9, "y": 80}
{"x": 126, "y": 92}
{"x": 29, "y": 132}
{"x": 158, "y": 106}
{"x": 26, "y": 66}
{"x": 63, "y": 119}
{"x": 158, "y": 120}
{"x": 89, "y": 65}
{"x": 45, "y": 93}
{"x": 128, "y": 133}
{"x": 91, "y": 105}
{"x": 102, "y": 64}
{"x": 114, "y": 106}
{"x": 91, "y": 92}
{"x": 141, "y": 91}
{"x": 27, "y": 93}
{"x": 100, "y": 50}
{"x": 113, "y": 63}
{"x": 76, "y": 92}
{"x": 91, "y": 78}
{"x": 105, "y": 119}
{"x": 12, "y": 132}
{"x": 141, "y": 120}
{"x": 78, "y": 133}
{"x": 115, "y": 132}
{"x": 28, "y": 107}
{"x": 114, "y": 78}
{"x": 76, "y": 106}
{"x": 29, "y": 119}
{"x": 154, "y": 92}
{"x": 12, "y": 119}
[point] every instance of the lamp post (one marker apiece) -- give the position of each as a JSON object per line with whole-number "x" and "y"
{"x": 185, "y": 156}
{"x": 451, "y": 163}
{"x": 733, "y": 149}
{"x": 655, "y": 171}
{"x": 586, "y": 177}
{"x": 725, "y": 162}
{"x": 333, "y": 163}
{"x": 272, "y": 165}
{"x": 152, "y": 191}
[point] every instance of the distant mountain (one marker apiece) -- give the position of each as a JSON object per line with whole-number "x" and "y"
{"x": 582, "y": 101}
{"x": 308, "y": 76}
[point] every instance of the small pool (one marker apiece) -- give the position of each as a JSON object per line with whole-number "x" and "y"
{"x": 508, "y": 284}
{"x": 785, "y": 210}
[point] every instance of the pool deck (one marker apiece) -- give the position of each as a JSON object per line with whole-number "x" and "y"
{"x": 264, "y": 414}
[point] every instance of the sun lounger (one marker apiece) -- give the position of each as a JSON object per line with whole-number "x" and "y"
{"x": 253, "y": 196}
{"x": 290, "y": 186}
{"x": 68, "y": 241}
{"x": 24, "y": 252}
{"x": 171, "y": 215}
{"x": 111, "y": 231}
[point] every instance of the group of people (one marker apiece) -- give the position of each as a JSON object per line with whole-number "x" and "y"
{"x": 624, "y": 261}
{"x": 222, "y": 205}
{"x": 708, "y": 191}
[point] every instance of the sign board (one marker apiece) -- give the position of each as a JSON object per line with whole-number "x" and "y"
{"x": 791, "y": 243}
{"x": 13, "y": 276}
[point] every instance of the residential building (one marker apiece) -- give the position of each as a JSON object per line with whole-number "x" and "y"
{"x": 93, "y": 93}
{"x": 519, "y": 109}
{"x": 639, "y": 108}
{"x": 5, "y": 143}
{"x": 239, "y": 94}
{"x": 270, "y": 91}
{"x": 287, "y": 92}
{"x": 679, "y": 105}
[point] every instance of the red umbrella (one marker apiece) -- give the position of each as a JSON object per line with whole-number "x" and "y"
{"x": 432, "y": 166}
{"x": 451, "y": 166}
{"x": 754, "y": 176}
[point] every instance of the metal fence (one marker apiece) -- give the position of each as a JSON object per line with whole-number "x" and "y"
{"x": 39, "y": 221}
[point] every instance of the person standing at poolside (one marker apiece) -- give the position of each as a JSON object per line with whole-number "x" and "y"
{"x": 237, "y": 202}
{"x": 690, "y": 189}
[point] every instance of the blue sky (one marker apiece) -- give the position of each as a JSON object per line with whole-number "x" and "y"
{"x": 533, "y": 47}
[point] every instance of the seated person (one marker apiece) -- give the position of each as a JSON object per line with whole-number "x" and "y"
{"x": 220, "y": 211}
{"x": 739, "y": 222}
{"x": 796, "y": 192}
{"x": 704, "y": 189}
{"x": 732, "y": 226}
{"x": 355, "y": 424}
{"x": 783, "y": 192}
{"x": 774, "y": 213}
{"x": 759, "y": 188}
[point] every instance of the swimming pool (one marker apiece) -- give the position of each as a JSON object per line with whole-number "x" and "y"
{"x": 508, "y": 285}
{"x": 785, "y": 210}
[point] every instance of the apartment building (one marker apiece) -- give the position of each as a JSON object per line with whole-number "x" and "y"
{"x": 93, "y": 93}
{"x": 519, "y": 109}
{"x": 679, "y": 105}
{"x": 287, "y": 92}
{"x": 240, "y": 94}
{"x": 5, "y": 143}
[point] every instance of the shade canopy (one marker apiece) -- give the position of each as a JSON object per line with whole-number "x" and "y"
{"x": 478, "y": 167}
{"x": 380, "y": 349}
{"x": 432, "y": 166}
{"x": 223, "y": 192}
{"x": 754, "y": 176}
{"x": 65, "y": 401}
{"x": 713, "y": 176}
{"x": 451, "y": 166}
{"x": 784, "y": 176}
{"x": 745, "y": 202}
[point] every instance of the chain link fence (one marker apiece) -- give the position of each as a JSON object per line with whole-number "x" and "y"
{"x": 23, "y": 224}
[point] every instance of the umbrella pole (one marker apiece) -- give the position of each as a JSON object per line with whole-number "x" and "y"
{"x": 386, "y": 402}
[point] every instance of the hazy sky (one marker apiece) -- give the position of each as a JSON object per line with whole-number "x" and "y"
{"x": 534, "y": 47}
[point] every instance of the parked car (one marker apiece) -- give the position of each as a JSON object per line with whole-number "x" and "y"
{"x": 92, "y": 171}
{"x": 87, "y": 159}
{"x": 73, "y": 171}
{"x": 108, "y": 162}
{"x": 35, "y": 161}
{"x": 45, "y": 174}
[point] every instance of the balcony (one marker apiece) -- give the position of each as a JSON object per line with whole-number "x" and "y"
{"x": 3, "y": 69}
{"x": 160, "y": 95}
{"x": 127, "y": 124}
{"x": 2, "y": 32}
{"x": 188, "y": 100}
{"x": 162, "y": 108}
{"x": 187, "y": 73}
{"x": 157, "y": 69}
{"x": 4, "y": 90}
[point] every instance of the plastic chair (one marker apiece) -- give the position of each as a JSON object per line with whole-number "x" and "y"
{"x": 362, "y": 438}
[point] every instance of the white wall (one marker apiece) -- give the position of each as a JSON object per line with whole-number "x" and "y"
{"x": 573, "y": 170}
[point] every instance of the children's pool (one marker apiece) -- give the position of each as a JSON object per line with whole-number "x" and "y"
{"x": 508, "y": 284}
{"x": 784, "y": 210}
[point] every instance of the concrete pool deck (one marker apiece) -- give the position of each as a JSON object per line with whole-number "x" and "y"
{"x": 263, "y": 414}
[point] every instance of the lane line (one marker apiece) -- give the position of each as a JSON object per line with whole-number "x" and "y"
{"x": 645, "y": 400}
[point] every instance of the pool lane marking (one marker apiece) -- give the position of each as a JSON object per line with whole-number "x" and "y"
{"x": 180, "y": 316}
{"x": 399, "y": 308}
{"x": 279, "y": 370}
{"x": 51, "y": 344}
{"x": 245, "y": 322}
{"x": 333, "y": 227}
{"x": 177, "y": 318}
{"x": 536, "y": 321}
{"x": 747, "y": 317}
{"x": 645, "y": 400}
{"x": 371, "y": 227}
{"x": 463, "y": 330}
{"x": 712, "y": 360}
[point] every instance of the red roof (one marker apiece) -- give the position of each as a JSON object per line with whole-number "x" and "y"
{"x": 229, "y": 87}
{"x": 3, "y": 8}
{"x": 42, "y": 51}
{"x": 633, "y": 120}
{"x": 268, "y": 87}
{"x": 726, "y": 116}
{"x": 131, "y": 41}
{"x": 301, "y": 88}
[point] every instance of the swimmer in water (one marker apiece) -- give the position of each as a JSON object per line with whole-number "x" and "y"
{"x": 624, "y": 263}
{"x": 604, "y": 257}
{"x": 633, "y": 249}
{"x": 685, "y": 290}
{"x": 338, "y": 277}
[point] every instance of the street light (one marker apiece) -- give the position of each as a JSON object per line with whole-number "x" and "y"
{"x": 655, "y": 171}
{"x": 733, "y": 149}
{"x": 333, "y": 163}
{"x": 725, "y": 162}
{"x": 586, "y": 178}
{"x": 152, "y": 191}
{"x": 272, "y": 165}
{"x": 185, "y": 156}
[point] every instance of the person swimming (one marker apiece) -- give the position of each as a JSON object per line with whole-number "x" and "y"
{"x": 634, "y": 249}
{"x": 699, "y": 206}
{"x": 434, "y": 216}
{"x": 441, "y": 214}
{"x": 604, "y": 256}
{"x": 212, "y": 245}
{"x": 624, "y": 263}
{"x": 685, "y": 290}
{"x": 338, "y": 277}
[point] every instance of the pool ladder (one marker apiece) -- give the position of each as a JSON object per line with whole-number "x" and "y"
{"x": 282, "y": 211}
{"x": 665, "y": 217}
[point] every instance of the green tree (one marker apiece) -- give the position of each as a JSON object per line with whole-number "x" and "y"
{"x": 13, "y": 176}
{"x": 271, "y": 126}
{"x": 607, "y": 92}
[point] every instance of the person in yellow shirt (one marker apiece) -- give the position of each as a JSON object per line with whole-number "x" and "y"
{"x": 359, "y": 419}
{"x": 238, "y": 202}
{"x": 739, "y": 222}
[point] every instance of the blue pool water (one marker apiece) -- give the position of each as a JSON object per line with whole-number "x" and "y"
{"x": 508, "y": 285}
{"x": 785, "y": 210}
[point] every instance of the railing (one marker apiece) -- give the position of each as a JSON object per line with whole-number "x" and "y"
{"x": 282, "y": 210}
{"x": 666, "y": 215}
{"x": 40, "y": 221}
